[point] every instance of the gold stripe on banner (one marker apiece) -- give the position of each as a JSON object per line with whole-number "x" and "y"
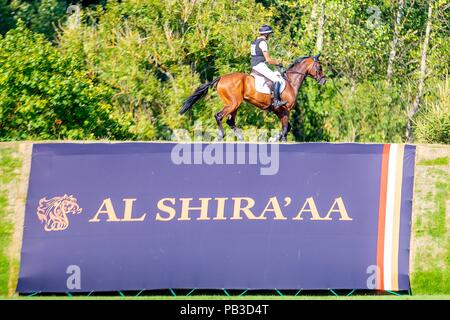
{"x": 396, "y": 217}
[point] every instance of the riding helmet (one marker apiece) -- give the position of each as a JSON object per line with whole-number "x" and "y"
{"x": 265, "y": 29}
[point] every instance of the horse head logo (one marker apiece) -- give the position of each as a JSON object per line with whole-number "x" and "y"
{"x": 53, "y": 212}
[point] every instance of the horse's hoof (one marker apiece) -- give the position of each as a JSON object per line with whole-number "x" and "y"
{"x": 238, "y": 135}
{"x": 220, "y": 135}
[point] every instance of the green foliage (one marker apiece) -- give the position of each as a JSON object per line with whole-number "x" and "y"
{"x": 6, "y": 17}
{"x": 370, "y": 111}
{"x": 45, "y": 95}
{"x": 310, "y": 116}
{"x": 433, "y": 122}
{"x": 40, "y": 16}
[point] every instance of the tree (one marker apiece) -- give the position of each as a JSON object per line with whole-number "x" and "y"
{"x": 6, "y": 17}
{"x": 320, "y": 24}
{"x": 422, "y": 72}
{"x": 395, "y": 38}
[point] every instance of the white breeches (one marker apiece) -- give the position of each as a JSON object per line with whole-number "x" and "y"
{"x": 265, "y": 71}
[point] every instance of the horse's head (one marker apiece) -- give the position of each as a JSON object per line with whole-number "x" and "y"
{"x": 308, "y": 66}
{"x": 315, "y": 69}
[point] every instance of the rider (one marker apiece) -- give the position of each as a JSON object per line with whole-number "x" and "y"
{"x": 259, "y": 57}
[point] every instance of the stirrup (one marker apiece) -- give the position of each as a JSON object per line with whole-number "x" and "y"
{"x": 278, "y": 103}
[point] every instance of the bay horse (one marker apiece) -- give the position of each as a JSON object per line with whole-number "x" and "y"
{"x": 233, "y": 88}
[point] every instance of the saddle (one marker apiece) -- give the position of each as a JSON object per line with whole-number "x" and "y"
{"x": 267, "y": 81}
{"x": 265, "y": 85}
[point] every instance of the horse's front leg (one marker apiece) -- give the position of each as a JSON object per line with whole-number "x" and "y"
{"x": 285, "y": 131}
{"x": 284, "y": 118}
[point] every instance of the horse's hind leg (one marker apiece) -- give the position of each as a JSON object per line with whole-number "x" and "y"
{"x": 232, "y": 96}
{"x": 285, "y": 126}
{"x": 231, "y": 122}
{"x": 219, "y": 116}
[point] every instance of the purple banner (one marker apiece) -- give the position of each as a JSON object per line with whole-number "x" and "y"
{"x": 141, "y": 216}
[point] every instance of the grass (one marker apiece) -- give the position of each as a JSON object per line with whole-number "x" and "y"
{"x": 432, "y": 262}
{"x": 8, "y": 173}
{"x": 442, "y": 161}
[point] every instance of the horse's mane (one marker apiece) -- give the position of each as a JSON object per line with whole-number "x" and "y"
{"x": 297, "y": 61}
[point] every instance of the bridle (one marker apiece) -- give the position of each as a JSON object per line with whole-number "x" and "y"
{"x": 317, "y": 72}
{"x": 296, "y": 72}
{"x": 304, "y": 74}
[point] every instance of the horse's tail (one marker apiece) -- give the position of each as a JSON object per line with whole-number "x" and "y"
{"x": 197, "y": 95}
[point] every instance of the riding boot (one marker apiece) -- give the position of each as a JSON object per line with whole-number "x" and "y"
{"x": 277, "y": 96}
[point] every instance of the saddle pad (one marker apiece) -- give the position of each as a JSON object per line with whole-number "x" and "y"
{"x": 261, "y": 85}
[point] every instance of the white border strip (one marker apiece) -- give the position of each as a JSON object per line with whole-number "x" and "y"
{"x": 389, "y": 220}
